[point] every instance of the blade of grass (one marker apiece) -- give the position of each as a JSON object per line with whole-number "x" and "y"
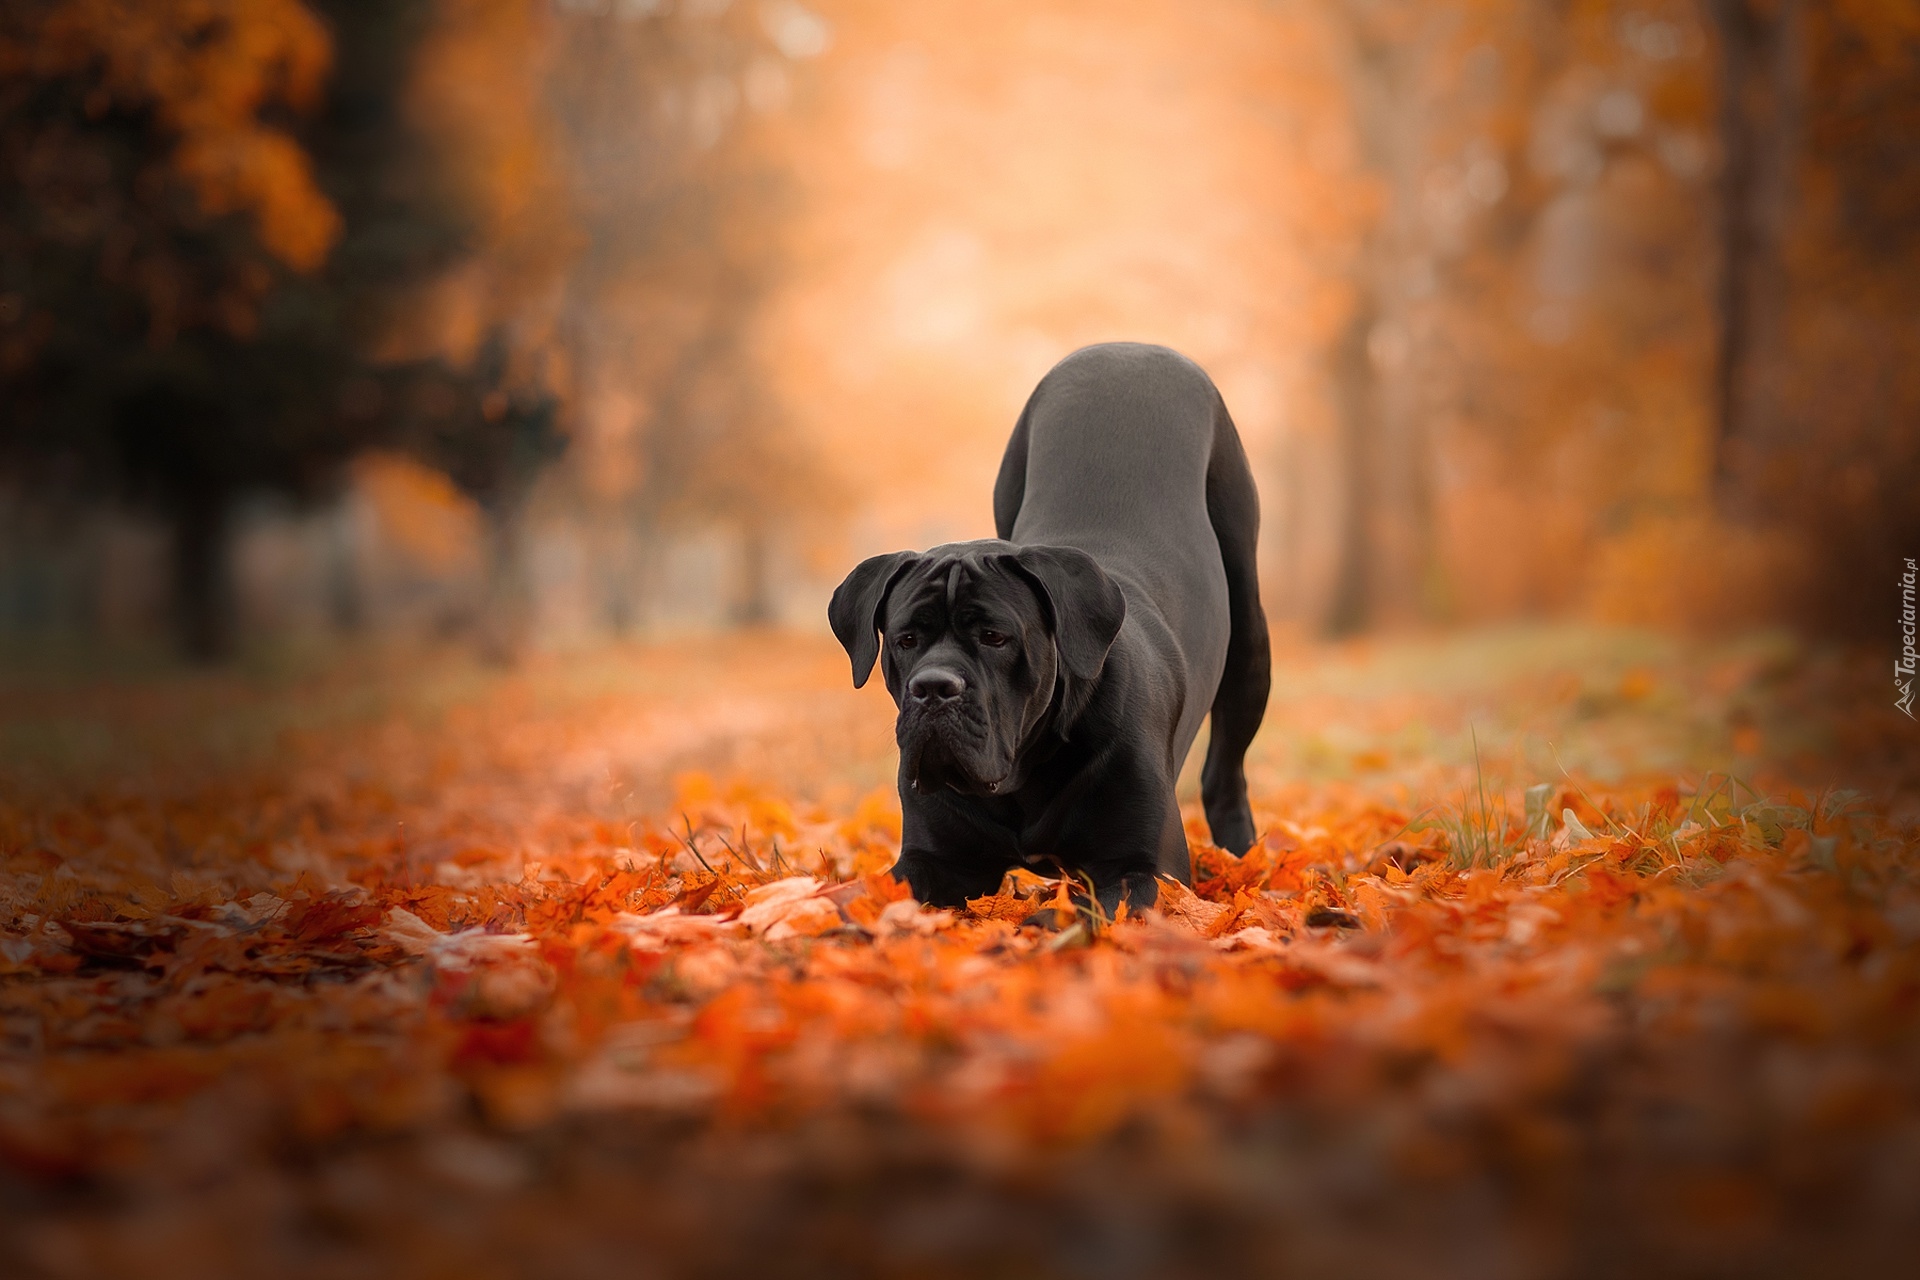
{"x": 693, "y": 848}
{"x": 1613, "y": 826}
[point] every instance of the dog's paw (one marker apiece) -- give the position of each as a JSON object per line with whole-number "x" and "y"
{"x": 1137, "y": 892}
{"x": 1232, "y": 828}
{"x": 1051, "y": 919}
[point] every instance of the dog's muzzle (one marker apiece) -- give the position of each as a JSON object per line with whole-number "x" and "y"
{"x": 943, "y": 743}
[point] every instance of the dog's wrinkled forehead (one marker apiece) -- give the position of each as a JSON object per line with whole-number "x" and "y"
{"x": 959, "y": 574}
{"x": 942, "y": 583}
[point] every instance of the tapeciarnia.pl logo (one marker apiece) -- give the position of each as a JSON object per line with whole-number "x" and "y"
{"x": 1903, "y": 666}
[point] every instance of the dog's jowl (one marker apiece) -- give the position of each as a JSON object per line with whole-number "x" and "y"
{"x": 1051, "y": 681}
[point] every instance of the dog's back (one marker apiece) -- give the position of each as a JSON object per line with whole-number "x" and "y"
{"x": 1112, "y": 455}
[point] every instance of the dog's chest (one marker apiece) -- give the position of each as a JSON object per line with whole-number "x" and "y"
{"x": 1024, "y": 830}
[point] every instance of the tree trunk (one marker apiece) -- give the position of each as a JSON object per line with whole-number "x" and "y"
{"x": 203, "y": 604}
{"x": 623, "y": 533}
{"x": 506, "y": 600}
{"x": 1759, "y": 127}
{"x": 1387, "y": 525}
{"x": 346, "y": 596}
{"x": 753, "y": 606}
{"x": 1357, "y": 399}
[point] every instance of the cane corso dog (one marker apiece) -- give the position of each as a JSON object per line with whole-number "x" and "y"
{"x": 1051, "y": 681}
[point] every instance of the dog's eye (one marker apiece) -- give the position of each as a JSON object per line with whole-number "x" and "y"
{"x": 992, "y": 639}
{"x": 906, "y": 640}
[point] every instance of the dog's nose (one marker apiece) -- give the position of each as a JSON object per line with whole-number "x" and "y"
{"x": 936, "y": 684}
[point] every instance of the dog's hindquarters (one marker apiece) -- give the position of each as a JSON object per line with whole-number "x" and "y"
{"x": 1128, "y": 404}
{"x": 1240, "y": 702}
{"x": 1010, "y": 488}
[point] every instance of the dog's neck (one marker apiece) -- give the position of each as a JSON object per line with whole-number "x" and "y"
{"x": 1052, "y": 731}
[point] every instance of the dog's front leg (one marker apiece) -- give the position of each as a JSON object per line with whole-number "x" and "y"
{"x": 947, "y": 881}
{"x": 1135, "y": 827}
{"x": 1139, "y": 890}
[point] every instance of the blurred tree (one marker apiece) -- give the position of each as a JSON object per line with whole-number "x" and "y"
{"x": 150, "y": 208}
{"x": 492, "y": 430}
{"x": 1386, "y": 531}
{"x": 195, "y": 245}
{"x": 1759, "y": 127}
{"x": 629, "y": 214}
{"x": 680, "y": 205}
{"x": 1818, "y": 379}
{"x": 1521, "y": 370}
{"x": 1432, "y": 93}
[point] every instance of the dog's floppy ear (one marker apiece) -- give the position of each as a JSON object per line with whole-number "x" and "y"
{"x": 854, "y": 611}
{"x": 1086, "y": 607}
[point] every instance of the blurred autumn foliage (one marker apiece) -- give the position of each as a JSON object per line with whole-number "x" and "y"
{"x": 247, "y": 243}
{"x": 1599, "y": 308}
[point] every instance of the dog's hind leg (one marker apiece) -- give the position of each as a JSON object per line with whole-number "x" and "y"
{"x": 1233, "y": 506}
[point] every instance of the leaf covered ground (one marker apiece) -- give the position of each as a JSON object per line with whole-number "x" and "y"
{"x": 1562, "y": 953}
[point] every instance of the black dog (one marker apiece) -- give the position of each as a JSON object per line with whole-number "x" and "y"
{"x": 1051, "y": 682}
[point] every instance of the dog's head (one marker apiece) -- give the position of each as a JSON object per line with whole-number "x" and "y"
{"x": 979, "y": 643}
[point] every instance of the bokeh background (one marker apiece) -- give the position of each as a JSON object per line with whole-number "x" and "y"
{"x": 400, "y": 398}
{"x": 529, "y": 323}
